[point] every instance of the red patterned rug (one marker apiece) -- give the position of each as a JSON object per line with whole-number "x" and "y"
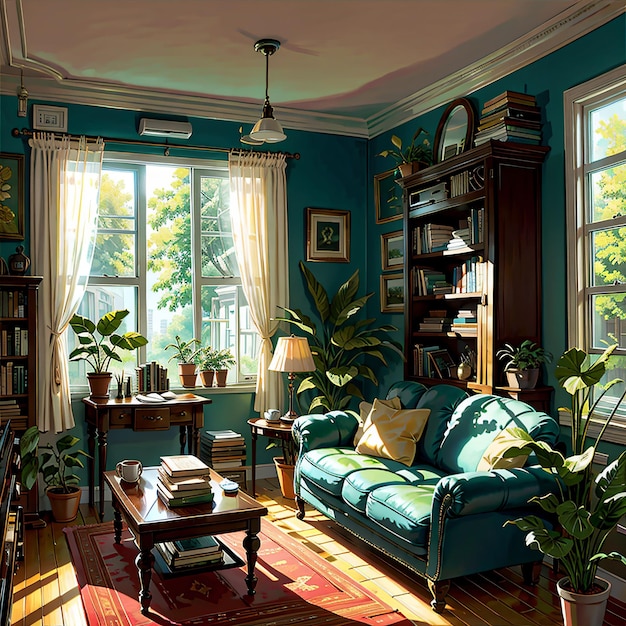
{"x": 295, "y": 586}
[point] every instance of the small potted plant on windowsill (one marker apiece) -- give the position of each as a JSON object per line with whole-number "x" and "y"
{"x": 223, "y": 361}
{"x": 56, "y": 466}
{"x": 185, "y": 352}
{"x": 205, "y": 360}
{"x": 99, "y": 344}
{"x": 522, "y": 363}
{"x": 414, "y": 156}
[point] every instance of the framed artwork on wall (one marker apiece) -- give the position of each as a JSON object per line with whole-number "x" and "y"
{"x": 327, "y": 235}
{"x": 392, "y": 250}
{"x": 11, "y": 196}
{"x": 392, "y": 293}
{"x": 387, "y": 197}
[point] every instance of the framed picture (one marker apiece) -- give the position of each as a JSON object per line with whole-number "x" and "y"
{"x": 442, "y": 363}
{"x": 455, "y": 132}
{"x": 327, "y": 235}
{"x": 46, "y": 117}
{"x": 392, "y": 293}
{"x": 11, "y": 196}
{"x": 392, "y": 250}
{"x": 387, "y": 197}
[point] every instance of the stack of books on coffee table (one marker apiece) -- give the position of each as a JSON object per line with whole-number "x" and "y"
{"x": 184, "y": 481}
{"x": 181, "y": 554}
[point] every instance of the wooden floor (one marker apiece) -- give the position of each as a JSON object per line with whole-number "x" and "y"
{"x": 46, "y": 593}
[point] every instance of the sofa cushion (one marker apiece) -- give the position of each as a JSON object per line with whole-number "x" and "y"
{"x": 365, "y": 409}
{"x": 493, "y": 456}
{"x": 359, "y": 484}
{"x": 392, "y": 433}
{"x": 404, "y": 511}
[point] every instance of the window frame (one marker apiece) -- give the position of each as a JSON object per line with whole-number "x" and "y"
{"x": 578, "y": 101}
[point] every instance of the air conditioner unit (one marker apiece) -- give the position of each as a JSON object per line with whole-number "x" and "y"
{"x": 164, "y": 128}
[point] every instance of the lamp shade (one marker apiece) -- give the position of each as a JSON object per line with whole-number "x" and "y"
{"x": 267, "y": 129}
{"x": 292, "y": 354}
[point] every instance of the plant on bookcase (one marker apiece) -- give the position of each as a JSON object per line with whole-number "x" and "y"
{"x": 409, "y": 160}
{"x": 56, "y": 466}
{"x": 523, "y": 363}
{"x": 99, "y": 344}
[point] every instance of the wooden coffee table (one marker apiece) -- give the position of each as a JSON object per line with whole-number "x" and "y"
{"x": 151, "y": 522}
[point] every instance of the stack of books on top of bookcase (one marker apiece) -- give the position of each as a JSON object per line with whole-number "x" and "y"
{"x": 511, "y": 116}
{"x": 184, "y": 481}
{"x": 191, "y": 553}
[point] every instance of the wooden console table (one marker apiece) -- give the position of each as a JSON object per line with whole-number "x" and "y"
{"x": 129, "y": 413}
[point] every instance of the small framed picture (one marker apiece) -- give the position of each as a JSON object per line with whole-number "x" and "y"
{"x": 11, "y": 196}
{"x": 443, "y": 364}
{"x": 47, "y": 117}
{"x": 387, "y": 197}
{"x": 327, "y": 235}
{"x": 392, "y": 250}
{"x": 392, "y": 293}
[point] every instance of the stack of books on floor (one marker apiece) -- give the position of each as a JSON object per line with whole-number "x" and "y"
{"x": 225, "y": 452}
{"x": 512, "y": 116}
{"x": 190, "y": 553}
{"x": 184, "y": 481}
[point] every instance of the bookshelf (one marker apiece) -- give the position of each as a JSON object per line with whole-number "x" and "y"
{"x": 472, "y": 268}
{"x": 18, "y": 359}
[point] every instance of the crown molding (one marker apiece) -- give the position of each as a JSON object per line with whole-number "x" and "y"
{"x": 51, "y": 86}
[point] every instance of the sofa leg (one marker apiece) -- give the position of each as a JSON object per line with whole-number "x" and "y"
{"x": 531, "y": 572}
{"x": 439, "y": 590}
{"x": 300, "y": 505}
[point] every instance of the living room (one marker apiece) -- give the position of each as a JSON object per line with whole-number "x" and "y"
{"x": 336, "y": 171}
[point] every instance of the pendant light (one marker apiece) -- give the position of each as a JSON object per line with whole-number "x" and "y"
{"x": 267, "y": 129}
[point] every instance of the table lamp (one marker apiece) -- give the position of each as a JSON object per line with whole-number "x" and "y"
{"x": 292, "y": 354}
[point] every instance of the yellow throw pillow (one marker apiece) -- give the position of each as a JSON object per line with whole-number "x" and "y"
{"x": 392, "y": 433}
{"x": 493, "y": 456}
{"x": 364, "y": 411}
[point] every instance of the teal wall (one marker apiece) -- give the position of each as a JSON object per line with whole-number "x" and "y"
{"x": 337, "y": 173}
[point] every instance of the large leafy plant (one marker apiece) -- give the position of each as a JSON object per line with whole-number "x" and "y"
{"x": 341, "y": 344}
{"x": 587, "y": 507}
{"x": 99, "y": 343}
{"x": 528, "y": 355}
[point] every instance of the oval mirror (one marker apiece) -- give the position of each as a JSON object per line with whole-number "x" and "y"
{"x": 455, "y": 132}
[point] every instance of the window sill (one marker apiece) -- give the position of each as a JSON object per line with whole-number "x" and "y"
{"x": 615, "y": 432}
{"x": 82, "y": 392}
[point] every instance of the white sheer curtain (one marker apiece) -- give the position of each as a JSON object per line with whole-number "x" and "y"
{"x": 64, "y": 186}
{"x": 258, "y": 211}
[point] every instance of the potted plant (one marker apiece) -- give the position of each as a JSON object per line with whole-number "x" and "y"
{"x": 99, "y": 345}
{"x": 586, "y": 507}
{"x": 185, "y": 352}
{"x": 522, "y": 363}
{"x": 223, "y": 360}
{"x": 285, "y": 465}
{"x": 414, "y": 155}
{"x": 205, "y": 360}
{"x": 56, "y": 466}
{"x": 340, "y": 343}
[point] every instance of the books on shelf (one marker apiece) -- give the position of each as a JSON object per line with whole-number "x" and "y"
{"x": 196, "y": 552}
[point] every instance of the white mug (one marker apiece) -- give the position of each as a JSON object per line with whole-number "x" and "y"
{"x": 272, "y": 415}
{"x": 129, "y": 471}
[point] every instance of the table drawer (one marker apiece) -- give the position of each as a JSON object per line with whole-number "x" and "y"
{"x": 155, "y": 418}
{"x": 120, "y": 418}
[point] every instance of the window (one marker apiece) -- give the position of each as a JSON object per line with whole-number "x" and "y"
{"x": 595, "y": 148}
{"x": 164, "y": 251}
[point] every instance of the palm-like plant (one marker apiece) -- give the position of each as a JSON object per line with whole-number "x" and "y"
{"x": 341, "y": 345}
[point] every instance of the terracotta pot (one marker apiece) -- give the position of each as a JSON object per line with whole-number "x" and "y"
{"x": 99, "y": 383}
{"x": 187, "y": 374}
{"x": 220, "y": 377}
{"x": 522, "y": 379}
{"x": 206, "y": 377}
{"x": 285, "y": 477}
{"x": 405, "y": 169}
{"x": 64, "y": 505}
{"x": 583, "y": 609}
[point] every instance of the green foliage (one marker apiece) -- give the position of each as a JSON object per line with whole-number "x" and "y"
{"x": 184, "y": 351}
{"x": 56, "y": 464}
{"x": 421, "y": 153}
{"x": 100, "y": 351}
{"x": 587, "y": 506}
{"x": 341, "y": 345}
{"x": 528, "y": 355}
{"x": 208, "y": 358}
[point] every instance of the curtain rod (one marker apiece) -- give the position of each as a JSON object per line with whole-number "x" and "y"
{"x": 27, "y": 132}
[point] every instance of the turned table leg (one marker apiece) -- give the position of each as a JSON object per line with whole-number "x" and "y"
{"x": 251, "y": 544}
{"x": 144, "y": 562}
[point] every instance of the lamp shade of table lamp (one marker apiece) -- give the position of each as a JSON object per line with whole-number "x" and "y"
{"x": 292, "y": 354}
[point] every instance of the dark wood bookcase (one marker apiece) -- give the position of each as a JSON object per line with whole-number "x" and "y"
{"x": 493, "y": 190}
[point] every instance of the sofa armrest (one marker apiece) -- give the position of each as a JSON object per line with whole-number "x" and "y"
{"x": 470, "y": 493}
{"x": 330, "y": 430}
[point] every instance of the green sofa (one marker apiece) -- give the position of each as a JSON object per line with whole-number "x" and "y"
{"x": 439, "y": 516}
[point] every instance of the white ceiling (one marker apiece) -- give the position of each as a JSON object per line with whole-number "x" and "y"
{"x": 350, "y": 63}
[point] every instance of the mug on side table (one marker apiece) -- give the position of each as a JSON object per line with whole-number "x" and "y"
{"x": 129, "y": 471}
